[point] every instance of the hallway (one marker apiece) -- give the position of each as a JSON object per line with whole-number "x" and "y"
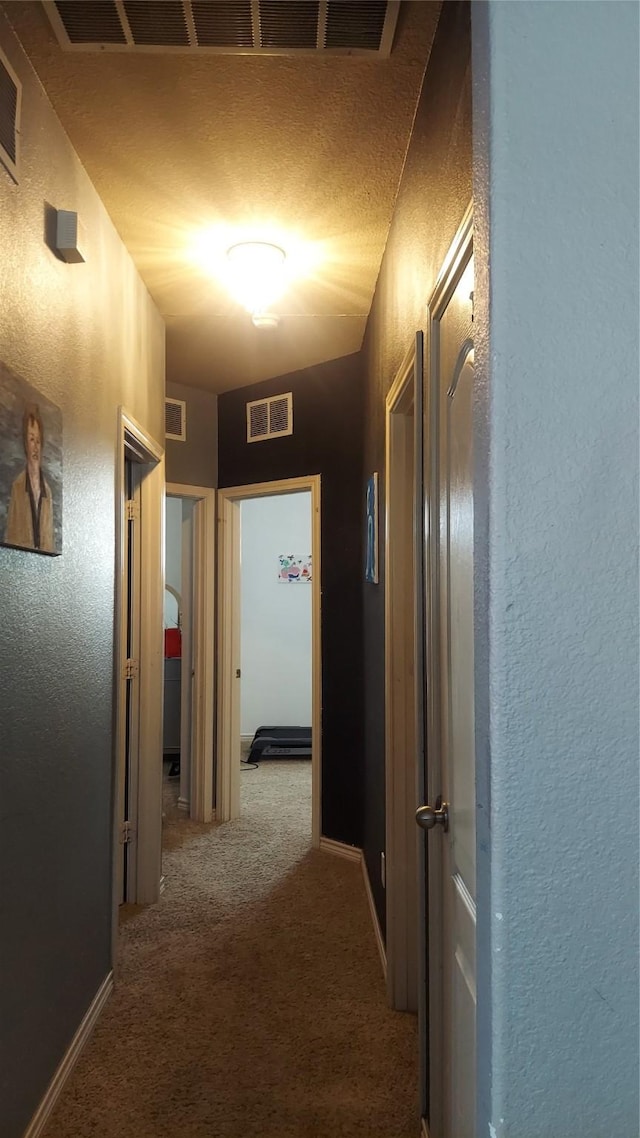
{"x": 251, "y": 998}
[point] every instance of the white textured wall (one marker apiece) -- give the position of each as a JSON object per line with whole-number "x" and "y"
{"x": 556, "y": 185}
{"x": 276, "y": 618}
{"x": 173, "y": 557}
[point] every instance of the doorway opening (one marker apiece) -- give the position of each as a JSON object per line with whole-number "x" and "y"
{"x": 138, "y": 672}
{"x": 261, "y": 670}
{"x": 175, "y": 632}
{"x": 404, "y": 674}
{"x": 276, "y": 577}
{"x": 189, "y": 649}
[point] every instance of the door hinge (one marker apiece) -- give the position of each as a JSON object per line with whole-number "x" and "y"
{"x": 133, "y": 510}
{"x": 131, "y": 669}
{"x": 127, "y": 833}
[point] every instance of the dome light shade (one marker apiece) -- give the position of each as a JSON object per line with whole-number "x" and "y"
{"x": 256, "y": 274}
{"x": 268, "y": 321}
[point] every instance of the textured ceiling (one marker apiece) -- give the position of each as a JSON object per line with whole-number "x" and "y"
{"x": 195, "y": 152}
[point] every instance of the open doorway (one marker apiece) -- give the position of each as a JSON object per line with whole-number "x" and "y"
{"x": 189, "y": 602}
{"x": 138, "y": 676}
{"x": 269, "y": 673}
{"x": 173, "y": 654}
{"x": 276, "y": 578}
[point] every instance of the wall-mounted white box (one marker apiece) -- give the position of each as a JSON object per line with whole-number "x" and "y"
{"x": 69, "y": 237}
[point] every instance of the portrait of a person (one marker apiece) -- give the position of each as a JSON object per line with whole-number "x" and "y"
{"x": 30, "y": 515}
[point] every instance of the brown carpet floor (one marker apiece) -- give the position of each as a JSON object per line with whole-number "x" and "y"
{"x": 250, "y": 1000}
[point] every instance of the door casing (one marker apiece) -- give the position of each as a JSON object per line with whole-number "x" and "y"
{"x": 145, "y": 853}
{"x": 403, "y": 675}
{"x": 228, "y": 711}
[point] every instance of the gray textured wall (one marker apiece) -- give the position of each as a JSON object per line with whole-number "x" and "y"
{"x": 195, "y": 461}
{"x": 557, "y": 197}
{"x": 90, "y": 339}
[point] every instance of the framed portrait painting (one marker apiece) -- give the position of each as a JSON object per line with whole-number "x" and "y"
{"x": 30, "y": 467}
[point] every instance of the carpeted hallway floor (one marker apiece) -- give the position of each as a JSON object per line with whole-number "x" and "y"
{"x": 250, "y": 1000}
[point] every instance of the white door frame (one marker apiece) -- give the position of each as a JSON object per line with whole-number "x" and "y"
{"x": 432, "y": 1012}
{"x": 403, "y": 675}
{"x": 201, "y": 691}
{"x": 144, "y": 881}
{"x": 228, "y": 765}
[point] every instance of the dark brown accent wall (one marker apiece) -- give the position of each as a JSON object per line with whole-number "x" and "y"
{"x": 327, "y": 417}
{"x": 434, "y": 193}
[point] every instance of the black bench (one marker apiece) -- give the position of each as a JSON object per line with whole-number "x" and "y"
{"x": 280, "y": 743}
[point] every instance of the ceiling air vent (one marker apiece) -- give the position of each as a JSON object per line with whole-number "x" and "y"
{"x": 10, "y": 99}
{"x": 284, "y": 25}
{"x": 162, "y": 23}
{"x": 270, "y": 418}
{"x": 268, "y": 27}
{"x": 224, "y": 25}
{"x": 175, "y": 420}
{"x": 360, "y": 23}
{"x": 85, "y": 24}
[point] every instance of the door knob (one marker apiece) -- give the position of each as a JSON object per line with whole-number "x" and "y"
{"x": 428, "y": 817}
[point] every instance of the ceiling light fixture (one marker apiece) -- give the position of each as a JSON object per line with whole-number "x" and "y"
{"x": 267, "y": 321}
{"x": 256, "y": 275}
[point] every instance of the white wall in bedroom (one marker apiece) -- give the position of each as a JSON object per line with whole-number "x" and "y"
{"x": 275, "y": 616}
{"x": 173, "y": 558}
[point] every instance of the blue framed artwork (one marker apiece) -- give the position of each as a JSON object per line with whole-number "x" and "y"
{"x": 371, "y": 566}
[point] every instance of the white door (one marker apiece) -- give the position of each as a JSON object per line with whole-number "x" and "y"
{"x": 449, "y": 813}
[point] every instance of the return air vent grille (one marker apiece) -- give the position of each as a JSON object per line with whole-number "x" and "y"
{"x": 361, "y": 21}
{"x": 86, "y": 23}
{"x": 288, "y": 27}
{"x": 270, "y": 418}
{"x": 222, "y": 25}
{"x": 10, "y": 96}
{"x": 175, "y": 419}
{"x": 160, "y": 23}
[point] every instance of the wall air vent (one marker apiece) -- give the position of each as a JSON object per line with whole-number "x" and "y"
{"x": 270, "y": 418}
{"x": 175, "y": 420}
{"x": 10, "y": 100}
{"x": 268, "y": 27}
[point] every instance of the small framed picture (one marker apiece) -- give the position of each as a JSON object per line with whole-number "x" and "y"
{"x": 294, "y": 569}
{"x": 371, "y": 566}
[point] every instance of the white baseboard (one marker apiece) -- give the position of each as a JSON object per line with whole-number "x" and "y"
{"x": 341, "y": 849}
{"x": 354, "y": 853}
{"x": 374, "y": 917}
{"x": 69, "y": 1060}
